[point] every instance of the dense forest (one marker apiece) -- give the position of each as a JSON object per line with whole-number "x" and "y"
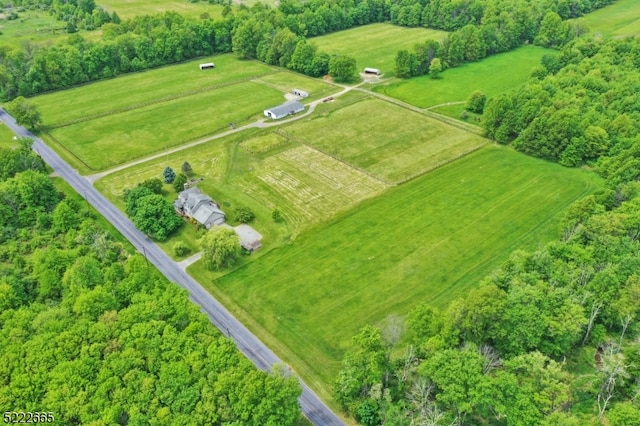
{"x": 277, "y": 36}
{"x": 93, "y": 334}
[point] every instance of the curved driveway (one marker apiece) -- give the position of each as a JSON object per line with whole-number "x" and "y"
{"x": 312, "y": 407}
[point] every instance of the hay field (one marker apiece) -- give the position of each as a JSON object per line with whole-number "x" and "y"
{"x": 390, "y": 142}
{"x": 429, "y": 240}
{"x": 307, "y": 186}
{"x": 620, "y": 19}
{"x": 375, "y": 45}
{"x": 115, "y": 139}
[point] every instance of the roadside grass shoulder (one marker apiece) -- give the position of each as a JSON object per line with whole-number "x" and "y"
{"x": 107, "y": 141}
{"x": 375, "y": 45}
{"x": 136, "y": 89}
{"x": 383, "y": 139}
{"x": 620, "y": 19}
{"x": 6, "y": 137}
{"x": 429, "y": 240}
{"x": 492, "y": 76}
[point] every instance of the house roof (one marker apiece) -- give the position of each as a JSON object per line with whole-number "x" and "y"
{"x": 249, "y": 237}
{"x": 286, "y": 108}
{"x": 204, "y": 213}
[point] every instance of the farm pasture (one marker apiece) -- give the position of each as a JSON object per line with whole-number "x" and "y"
{"x": 107, "y": 141}
{"x": 307, "y": 186}
{"x": 142, "y": 88}
{"x": 492, "y": 76}
{"x": 429, "y": 240}
{"x": 263, "y": 143}
{"x": 375, "y": 45}
{"x": 287, "y": 81}
{"x": 620, "y": 19}
{"x": 387, "y": 141}
{"x": 128, "y": 9}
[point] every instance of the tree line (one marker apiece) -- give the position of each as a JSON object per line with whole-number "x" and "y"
{"x": 499, "y": 355}
{"x": 579, "y": 107}
{"x": 76, "y": 14}
{"x": 274, "y": 35}
{"x": 90, "y": 332}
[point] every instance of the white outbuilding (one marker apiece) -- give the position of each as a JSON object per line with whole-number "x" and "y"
{"x": 284, "y": 110}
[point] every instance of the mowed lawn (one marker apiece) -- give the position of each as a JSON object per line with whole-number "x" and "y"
{"x": 375, "y": 45}
{"x": 429, "y": 240}
{"x": 384, "y": 139}
{"x": 107, "y": 141}
{"x": 287, "y": 81}
{"x": 132, "y": 90}
{"x": 307, "y": 186}
{"x": 621, "y": 18}
{"x": 127, "y": 9}
{"x": 492, "y": 76}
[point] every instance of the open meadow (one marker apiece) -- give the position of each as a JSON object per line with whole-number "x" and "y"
{"x": 37, "y": 27}
{"x": 375, "y": 45}
{"x": 114, "y": 139}
{"x": 429, "y": 240}
{"x": 110, "y": 122}
{"x": 383, "y": 139}
{"x": 620, "y": 19}
{"x": 127, "y": 9}
{"x": 138, "y": 89}
{"x": 492, "y": 76}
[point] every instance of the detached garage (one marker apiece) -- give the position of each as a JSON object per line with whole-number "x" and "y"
{"x": 283, "y": 110}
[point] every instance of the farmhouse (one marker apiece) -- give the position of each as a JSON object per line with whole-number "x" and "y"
{"x": 284, "y": 110}
{"x": 375, "y": 71}
{"x": 300, "y": 93}
{"x": 194, "y": 204}
{"x": 207, "y": 66}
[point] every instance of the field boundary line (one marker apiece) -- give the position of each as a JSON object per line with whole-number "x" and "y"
{"x": 153, "y": 102}
{"x": 442, "y": 163}
{"x": 284, "y": 133}
{"x": 443, "y": 118}
{"x": 57, "y": 142}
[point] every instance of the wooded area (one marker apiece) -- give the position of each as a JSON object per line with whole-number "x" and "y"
{"x": 277, "y": 36}
{"x": 92, "y": 333}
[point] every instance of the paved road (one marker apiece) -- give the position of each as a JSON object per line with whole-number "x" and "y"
{"x": 312, "y": 407}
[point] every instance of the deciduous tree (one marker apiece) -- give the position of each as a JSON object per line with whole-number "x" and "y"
{"x": 220, "y": 248}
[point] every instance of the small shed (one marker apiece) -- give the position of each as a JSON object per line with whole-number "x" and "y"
{"x": 250, "y": 239}
{"x": 375, "y": 71}
{"x": 207, "y": 66}
{"x": 283, "y": 110}
{"x": 300, "y": 93}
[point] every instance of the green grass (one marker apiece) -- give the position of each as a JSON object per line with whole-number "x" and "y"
{"x": 375, "y": 45}
{"x": 127, "y": 9}
{"x": 307, "y": 186}
{"x": 263, "y": 143}
{"x": 492, "y": 76}
{"x": 141, "y": 88}
{"x": 429, "y": 240}
{"x": 621, "y": 18}
{"x": 33, "y": 27}
{"x": 287, "y": 81}
{"x": 387, "y": 141}
{"x": 107, "y": 141}
{"x": 6, "y": 137}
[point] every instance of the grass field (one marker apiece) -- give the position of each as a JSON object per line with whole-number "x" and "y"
{"x": 621, "y": 18}
{"x": 429, "y": 240}
{"x": 144, "y": 87}
{"x": 375, "y": 45}
{"x": 287, "y": 81}
{"x": 138, "y": 132}
{"x": 307, "y": 186}
{"x": 387, "y": 141}
{"x": 32, "y": 27}
{"x": 6, "y": 137}
{"x": 492, "y": 76}
{"x": 127, "y": 9}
